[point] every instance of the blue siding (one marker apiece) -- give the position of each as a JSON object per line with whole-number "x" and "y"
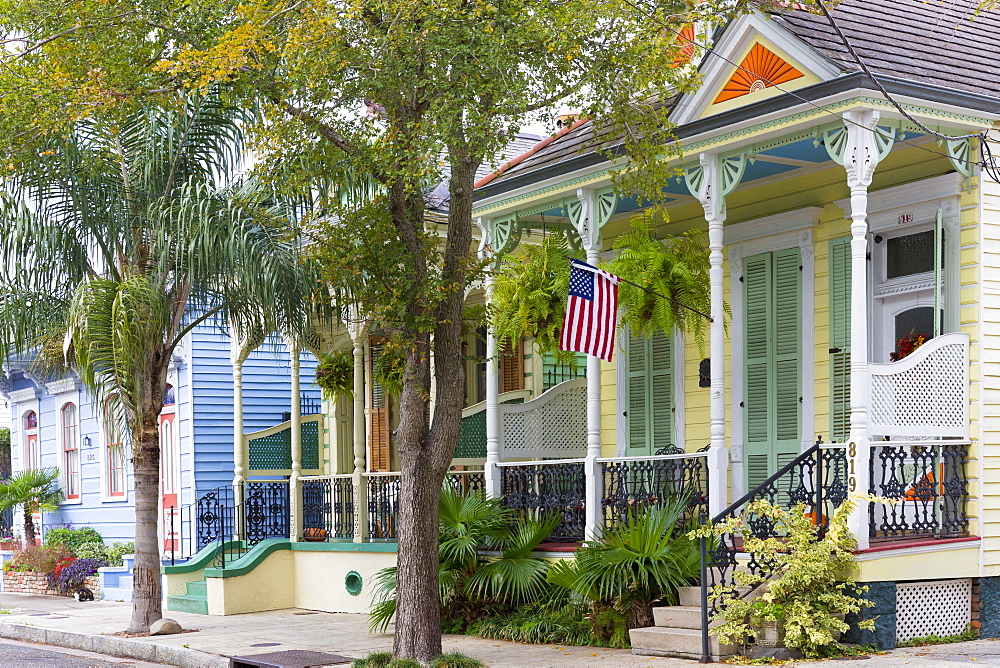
{"x": 203, "y": 423}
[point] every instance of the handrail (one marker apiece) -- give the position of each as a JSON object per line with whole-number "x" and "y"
{"x": 281, "y": 426}
{"x": 545, "y": 396}
{"x": 733, "y": 507}
{"x": 652, "y": 458}
{"x": 543, "y": 462}
{"x": 920, "y": 354}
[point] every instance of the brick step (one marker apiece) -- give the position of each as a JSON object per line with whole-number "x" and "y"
{"x": 675, "y": 642}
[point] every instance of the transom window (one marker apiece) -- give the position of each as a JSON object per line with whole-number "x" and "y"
{"x": 71, "y": 451}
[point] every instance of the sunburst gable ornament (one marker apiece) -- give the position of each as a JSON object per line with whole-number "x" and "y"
{"x": 761, "y": 69}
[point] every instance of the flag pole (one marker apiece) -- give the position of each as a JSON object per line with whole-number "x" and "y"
{"x": 652, "y": 292}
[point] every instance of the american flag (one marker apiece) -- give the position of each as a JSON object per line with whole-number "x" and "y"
{"x": 591, "y": 311}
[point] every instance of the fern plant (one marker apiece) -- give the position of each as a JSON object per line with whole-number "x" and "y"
{"x": 675, "y": 267}
{"x": 529, "y": 296}
{"x": 335, "y": 375}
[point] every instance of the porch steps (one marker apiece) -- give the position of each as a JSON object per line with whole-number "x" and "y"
{"x": 677, "y": 631}
{"x": 195, "y": 600}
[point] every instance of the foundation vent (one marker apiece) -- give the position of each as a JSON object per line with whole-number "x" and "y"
{"x": 941, "y": 608}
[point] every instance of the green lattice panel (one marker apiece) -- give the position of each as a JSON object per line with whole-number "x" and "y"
{"x": 271, "y": 452}
{"x": 472, "y": 434}
{"x": 310, "y": 445}
{"x": 274, "y": 452}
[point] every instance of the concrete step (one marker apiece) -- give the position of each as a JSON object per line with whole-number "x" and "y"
{"x": 690, "y": 597}
{"x": 679, "y": 617}
{"x": 680, "y": 643}
{"x": 194, "y": 604}
{"x": 196, "y": 588}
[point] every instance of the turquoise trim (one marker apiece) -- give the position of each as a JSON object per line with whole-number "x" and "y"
{"x": 264, "y": 549}
{"x": 200, "y": 560}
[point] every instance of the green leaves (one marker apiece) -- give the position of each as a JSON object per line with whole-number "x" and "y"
{"x": 529, "y": 295}
{"x": 675, "y": 267}
{"x": 36, "y": 489}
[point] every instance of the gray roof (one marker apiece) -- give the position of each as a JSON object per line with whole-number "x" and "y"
{"x": 940, "y": 43}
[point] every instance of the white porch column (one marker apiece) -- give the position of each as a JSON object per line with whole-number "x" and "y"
{"x": 590, "y": 237}
{"x": 240, "y": 349}
{"x": 712, "y": 200}
{"x": 861, "y": 156}
{"x": 493, "y": 426}
{"x": 358, "y": 333}
{"x": 294, "y": 486}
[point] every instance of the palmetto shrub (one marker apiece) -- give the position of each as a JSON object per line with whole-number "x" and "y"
{"x": 472, "y": 584}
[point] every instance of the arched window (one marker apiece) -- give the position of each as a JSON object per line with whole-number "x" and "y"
{"x": 114, "y": 431}
{"x": 32, "y": 456}
{"x": 169, "y": 397}
{"x": 71, "y": 451}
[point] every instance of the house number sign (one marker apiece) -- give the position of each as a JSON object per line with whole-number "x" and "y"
{"x": 852, "y": 480}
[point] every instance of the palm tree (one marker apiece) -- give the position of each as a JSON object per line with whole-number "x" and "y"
{"x": 34, "y": 490}
{"x": 123, "y": 236}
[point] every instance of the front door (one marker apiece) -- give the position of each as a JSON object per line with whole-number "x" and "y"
{"x": 772, "y": 358}
{"x": 169, "y": 474}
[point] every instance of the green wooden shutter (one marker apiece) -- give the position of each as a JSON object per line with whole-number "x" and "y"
{"x": 773, "y": 286}
{"x": 637, "y": 406}
{"x": 840, "y": 339}
{"x": 650, "y": 419}
{"x": 757, "y": 357}
{"x": 660, "y": 422}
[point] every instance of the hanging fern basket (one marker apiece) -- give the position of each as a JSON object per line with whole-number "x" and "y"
{"x": 335, "y": 375}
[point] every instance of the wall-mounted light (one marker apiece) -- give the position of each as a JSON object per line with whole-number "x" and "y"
{"x": 86, "y": 441}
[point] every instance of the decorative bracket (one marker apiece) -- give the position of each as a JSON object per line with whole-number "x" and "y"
{"x": 837, "y": 138}
{"x": 714, "y": 178}
{"x": 960, "y": 154}
{"x": 506, "y": 234}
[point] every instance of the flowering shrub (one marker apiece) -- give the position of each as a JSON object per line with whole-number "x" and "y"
{"x": 75, "y": 573}
{"x": 38, "y": 558}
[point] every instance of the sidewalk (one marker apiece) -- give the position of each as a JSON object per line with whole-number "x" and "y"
{"x": 65, "y": 622}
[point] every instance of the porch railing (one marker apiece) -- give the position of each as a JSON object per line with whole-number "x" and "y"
{"x": 233, "y": 519}
{"x": 328, "y": 507}
{"x": 927, "y": 484}
{"x": 534, "y": 489}
{"x": 632, "y": 484}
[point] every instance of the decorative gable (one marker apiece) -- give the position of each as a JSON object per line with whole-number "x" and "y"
{"x": 752, "y": 59}
{"x": 760, "y": 69}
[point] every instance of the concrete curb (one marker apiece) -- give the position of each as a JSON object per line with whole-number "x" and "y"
{"x": 127, "y": 648}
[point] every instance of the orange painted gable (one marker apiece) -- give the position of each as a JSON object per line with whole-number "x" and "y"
{"x": 761, "y": 69}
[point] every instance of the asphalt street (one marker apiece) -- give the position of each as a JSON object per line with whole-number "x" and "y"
{"x": 15, "y": 654}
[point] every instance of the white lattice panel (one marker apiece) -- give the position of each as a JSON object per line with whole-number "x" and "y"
{"x": 925, "y": 394}
{"x": 941, "y": 608}
{"x": 553, "y": 425}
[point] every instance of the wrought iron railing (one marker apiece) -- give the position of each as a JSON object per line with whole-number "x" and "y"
{"x": 216, "y": 518}
{"x": 817, "y": 478}
{"x": 383, "y": 505}
{"x": 928, "y": 486}
{"x": 328, "y": 507}
{"x": 534, "y": 489}
{"x": 633, "y": 484}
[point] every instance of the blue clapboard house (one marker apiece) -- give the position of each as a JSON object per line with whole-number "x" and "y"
{"x": 55, "y": 422}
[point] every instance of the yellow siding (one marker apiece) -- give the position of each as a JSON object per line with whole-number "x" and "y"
{"x": 988, "y": 370}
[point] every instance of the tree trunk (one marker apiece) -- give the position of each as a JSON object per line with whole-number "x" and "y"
{"x": 29, "y": 526}
{"x": 146, "y": 605}
{"x": 426, "y": 450}
{"x": 640, "y": 616}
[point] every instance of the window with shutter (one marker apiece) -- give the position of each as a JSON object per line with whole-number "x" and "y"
{"x": 840, "y": 339}
{"x": 649, "y": 416}
{"x": 772, "y": 359}
{"x": 511, "y": 365}
{"x": 380, "y": 457}
{"x": 553, "y": 373}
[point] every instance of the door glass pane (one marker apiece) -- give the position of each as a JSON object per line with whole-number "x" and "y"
{"x": 910, "y": 254}
{"x": 914, "y": 323}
